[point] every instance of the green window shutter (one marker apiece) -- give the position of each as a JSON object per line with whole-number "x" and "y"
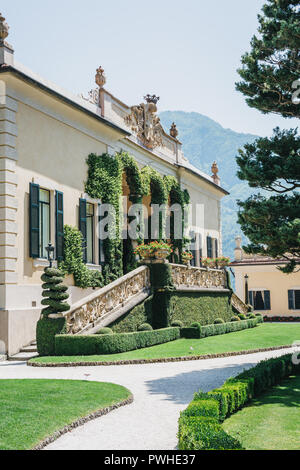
{"x": 34, "y": 220}
{"x": 291, "y": 300}
{"x": 251, "y": 302}
{"x": 59, "y": 225}
{"x": 216, "y": 248}
{"x": 82, "y": 226}
{"x": 101, "y": 252}
{"x": 267, "y": 300}
{"x": 209, "y": 247}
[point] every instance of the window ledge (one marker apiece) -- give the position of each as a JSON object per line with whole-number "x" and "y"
{"x": 42, "y": 263}
{"x": 94, "y": 267}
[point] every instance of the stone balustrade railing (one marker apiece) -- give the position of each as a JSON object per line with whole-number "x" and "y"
{"x": 239, "y": 305}
{"x": 109, "y": 303}
{"x": 193, "y": 278}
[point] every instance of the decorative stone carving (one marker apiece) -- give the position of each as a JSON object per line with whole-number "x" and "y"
{"x": 174, "y": 131}
{"x": 191, "y": 277}
{"x": 100, "y": 78}
{"x": 215, "y": 171}
{"x": 238, "y": 304}
{"x": 144, "y": 122}
{"x": 109, "y": 299}
{"x": 3, "y": 29}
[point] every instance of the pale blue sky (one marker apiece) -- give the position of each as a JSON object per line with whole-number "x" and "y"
{"x": 187, "y": 52}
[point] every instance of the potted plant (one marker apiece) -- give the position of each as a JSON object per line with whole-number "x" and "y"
{"x": 187, "y": 257}
{"x": 144, "y": 251}
{"x": 209, "y": 262}
{"x": 160, "y": 249}
{"x": 222, "y": 261}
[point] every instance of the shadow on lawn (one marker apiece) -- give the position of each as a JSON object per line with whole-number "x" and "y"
{"x": 286, "y": 394}
{"x": 181, "y": 388}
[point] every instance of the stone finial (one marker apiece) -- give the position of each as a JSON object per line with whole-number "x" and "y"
{"x": 215, "y": 171}
{"x": 100, "y": 78}
{"x": 238, "y": 251}
{"x": 174, "y": 131}
{"x": 3, "y": 28}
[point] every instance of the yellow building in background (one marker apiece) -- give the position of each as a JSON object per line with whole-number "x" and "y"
{"x": 270, "y": 291}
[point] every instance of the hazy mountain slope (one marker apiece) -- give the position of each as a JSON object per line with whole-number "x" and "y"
{"x": 204, "y": 141}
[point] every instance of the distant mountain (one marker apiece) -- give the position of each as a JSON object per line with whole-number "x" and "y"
{"x": 204, "y": 140}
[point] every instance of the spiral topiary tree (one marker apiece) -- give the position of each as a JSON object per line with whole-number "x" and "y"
{"x": 54, "y": 291}
{"x": 55, "y": 295}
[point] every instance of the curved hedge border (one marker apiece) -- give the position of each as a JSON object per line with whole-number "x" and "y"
{"x": 81, "y": 422}
{"x": 80, "y": 345}
{"x": 219, "y": 329}
{"x": 200, "y": 424}
{"x": 31, "y": 362}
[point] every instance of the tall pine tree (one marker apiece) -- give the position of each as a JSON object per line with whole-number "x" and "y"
{"x": 269, "y": 74}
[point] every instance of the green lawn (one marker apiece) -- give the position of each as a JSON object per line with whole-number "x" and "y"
{"x": 31, "y": 410}
{"x": 271, "y": 422}
{"x": 263, "y": 336}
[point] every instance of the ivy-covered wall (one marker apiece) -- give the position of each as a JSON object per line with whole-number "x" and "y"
{"x": 133, "y": 319}
{"x": 200, "y": 307}
{"x": 186, "y": 307}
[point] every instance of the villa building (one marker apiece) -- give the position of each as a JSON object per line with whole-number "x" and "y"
{"x": 46, "y": 135}
{"x": 270, "y": 291}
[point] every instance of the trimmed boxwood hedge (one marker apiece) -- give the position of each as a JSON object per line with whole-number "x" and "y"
{"x": 46, "y": 330}
{"x": 219, "y": 328}
{"x": 200, "y": 424}
{"x": 67, "y": 345}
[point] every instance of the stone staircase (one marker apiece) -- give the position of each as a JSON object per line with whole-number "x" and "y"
{"x": 26, "y": 353}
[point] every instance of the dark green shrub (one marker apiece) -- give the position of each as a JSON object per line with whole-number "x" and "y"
{"x": 207, "y": 407}
{"x": 195, "y": 325}
{"x": 204, "y": 433}
{"x": 190, "y": 333}
{"x": 242, "y": 316}
{"x": 81, "y": 345}
{"x": 105, "y": 331}
{"x": 177, "y": 323}
{"x": 235, "y": 318}
{"x": 145, "y": 327}
{"x": 219, "y": 321}
{"x": 46, "y": 330}
{"x": 54, "y": 292}
{"x": 252, "y": 315}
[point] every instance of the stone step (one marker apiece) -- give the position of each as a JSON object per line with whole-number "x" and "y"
{"x": 29, "y": 349}
{"x": 23, "y": 356}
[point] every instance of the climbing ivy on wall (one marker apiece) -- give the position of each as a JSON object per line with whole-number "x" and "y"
{"x": 104, "y": 182}
{"x": 73, "y": 260}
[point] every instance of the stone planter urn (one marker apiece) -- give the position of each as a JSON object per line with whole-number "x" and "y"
{"x": 161, "y": 254}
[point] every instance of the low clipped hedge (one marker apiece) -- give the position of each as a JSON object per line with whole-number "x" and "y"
{"x": 219, "y": 328}
{"x": 67, "y": 345}
{"x": 200, "y": 425}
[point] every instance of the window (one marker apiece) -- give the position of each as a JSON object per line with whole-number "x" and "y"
{"x": 90, "y": 232}
{"x": 39, "y": 221}
{"x": 44, "y": 226}
{"x": 260, "y": 299}
{"x": 294, "y": 299}
{"x": 87, "y": 228}
{"x": 209, "y": 242}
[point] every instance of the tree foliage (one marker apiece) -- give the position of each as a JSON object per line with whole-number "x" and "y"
{"x": 272, "y": 224}
{"x": 272, "y": 66}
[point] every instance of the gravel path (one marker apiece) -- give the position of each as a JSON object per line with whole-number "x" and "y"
{"x": 160, "y": 392}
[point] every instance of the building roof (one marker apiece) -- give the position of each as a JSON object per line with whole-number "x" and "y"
{"x": 91, "y": 109}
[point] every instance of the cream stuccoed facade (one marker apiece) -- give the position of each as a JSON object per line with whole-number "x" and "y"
{"x": 271, "y": 292}
{"x": 46, "y": 134}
